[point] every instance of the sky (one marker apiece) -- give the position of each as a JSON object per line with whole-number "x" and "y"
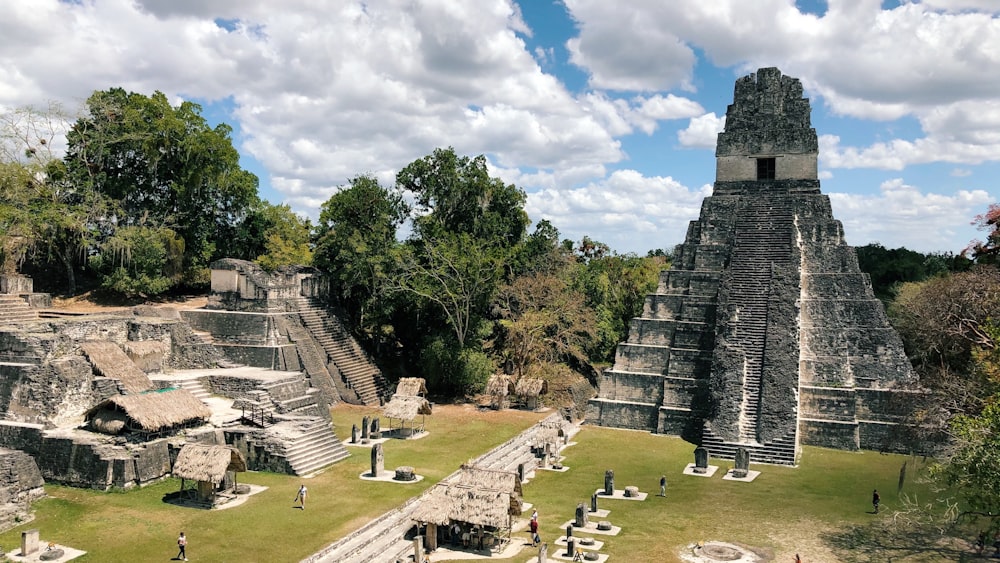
{"x": 604, "y": 113}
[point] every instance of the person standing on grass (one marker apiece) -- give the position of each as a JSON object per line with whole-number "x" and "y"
{"x": 876, "y": 499}
{"x": 663, "y": 485}
{"x": 535, "y": 539}
{"x": 300, "y": 497}
{"x": 182, "y": 547}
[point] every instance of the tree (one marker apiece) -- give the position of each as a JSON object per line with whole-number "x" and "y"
{"x": 457, "y": 195}
{"x": 356, "y": 242}
{"x": 989, "y": 222}
{"x": 286, "y": 238}
{"x": 457, "y": 273}
{"x": 543, "y": 322}
{"x": 44, "y": 218}
{"x": 140, "y": 261}
{"x": 164, "y": 167}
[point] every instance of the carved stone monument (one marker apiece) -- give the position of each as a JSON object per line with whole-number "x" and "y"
{"x": 700, "y": 460}
{"x": 609, "y": 482}
{"x": 742, "y": 463}
{"x": 543, "y": 553}
{"x": 570, "y": 547}
{"x": 365, "y": 430}
{"x": 404, "y": 473}
{"x": 378, "y": 460}
{"x": 376, "y": 432}
{"x": 772, "y": 331}
{"x": 593, "y": 502}
{"x": 631, "y": 491}
{"x": 29, "y": 541}
{"x": 354, "y": 433}
{"x": 581, "y": 516}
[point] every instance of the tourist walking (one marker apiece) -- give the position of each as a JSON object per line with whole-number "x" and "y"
{"x": 535, "y": 538}
{"x": 663, "y": 485}
{"x": 875, "y": 500}
{"x": 300, "y": 497}
{"x": 182, "y": 547}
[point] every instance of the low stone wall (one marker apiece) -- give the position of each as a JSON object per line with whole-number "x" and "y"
{"x": 262, "y": 454}
{"x": 622, "y": 415}
{"x": 829, "y": 434}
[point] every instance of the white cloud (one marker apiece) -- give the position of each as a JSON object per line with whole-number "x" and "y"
{"x": 702, "y": 131}
{"x": 901, "y": 215}
{"x": 627, "y": 211}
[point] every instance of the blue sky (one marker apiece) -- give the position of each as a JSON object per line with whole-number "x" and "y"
{"x": 605, "y": 113}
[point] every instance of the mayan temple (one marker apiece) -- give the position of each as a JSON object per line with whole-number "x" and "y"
{"x": 764, "y": 334}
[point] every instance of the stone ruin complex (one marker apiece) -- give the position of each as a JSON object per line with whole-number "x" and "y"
{"x": 108, "y": 399}
{"x": 764, "y": 334}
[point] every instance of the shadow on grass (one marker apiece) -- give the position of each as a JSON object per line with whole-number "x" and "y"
{"x": 886, "y": 542}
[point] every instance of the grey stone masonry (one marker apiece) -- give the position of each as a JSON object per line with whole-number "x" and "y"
{"x": 764, "y": 334}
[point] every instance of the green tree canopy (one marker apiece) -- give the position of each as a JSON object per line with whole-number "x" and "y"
{"x": 164, "y": 167}
{"x": 356, "y": 242}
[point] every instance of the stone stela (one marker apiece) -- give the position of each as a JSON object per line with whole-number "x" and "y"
{"x": 378, "y": 460}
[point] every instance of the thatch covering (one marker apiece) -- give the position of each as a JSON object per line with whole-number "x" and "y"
{"x": 479, "y": 496}
{"x": 108, "y": 421}
{"x": 200, "y": 462}
{"x": 110, "y": 361}
{"x": 411, "y": 386}
{"x": 492, "y": 479}
{"x": 406, "y": 407}
{"x": 531, "y": 387}
{"x": 446, "y": 503}
{"x": 145, "y": 348}
{"x": 499, "y": 385}
{"x": 151, "y": 412}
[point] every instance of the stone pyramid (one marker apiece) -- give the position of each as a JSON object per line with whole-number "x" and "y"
{"x": 764, "y": 334}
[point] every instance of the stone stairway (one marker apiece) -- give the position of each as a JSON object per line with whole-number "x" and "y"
{"x": 763, "y": 230}
{"x": 195, "y": 387}
{"x": 13, "y": 309}
{"x": 356, "y": 368}
{"x": 778, "y": 452}
{"x": 312, "y": 357}
{"x": 315, "y": 448}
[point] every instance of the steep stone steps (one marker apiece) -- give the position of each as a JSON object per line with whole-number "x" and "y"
{"x": 13, "y": 309}
{"x": 358, "y": 371}
{"x": 778, "y": 452}
{"x": 196, "y": 387}
{"x": 314, "y": 449}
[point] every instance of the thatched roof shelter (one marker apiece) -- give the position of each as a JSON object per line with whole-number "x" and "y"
{"x": 484, "y": 497}
{"x": 499, "y": 387}
{"x": 406, "y": 407}
{"x": 201, "y": 462}
{"x": 531, "y": 387}
{"x": 492, "y": 479}
{"x": 155, "y": 411}
{"x": 412, "y": 387}
{"x": 483, "y": 507}
{"x": 110, "y": 361}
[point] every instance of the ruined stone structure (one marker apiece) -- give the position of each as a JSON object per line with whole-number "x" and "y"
{"x": 764, "y": 334}
{"x": 277, "y": 320}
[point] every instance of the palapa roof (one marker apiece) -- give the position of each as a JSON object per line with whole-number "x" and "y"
{"x": 456, "y": 502}
{"x": 492, "y": 479}
{"x": 110, "y": 361}
{"x": 499, "y": 384}
{"x": 411, "y": 386}
{"x": 202, "y": 462}
{"x": 531, "y": 387}
{"x": 151, "y": 412}
{"x": 145, "y": 347}
{"x": 406, "y": 407}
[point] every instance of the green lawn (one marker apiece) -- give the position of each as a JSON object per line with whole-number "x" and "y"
{"x": 138, "y": 526}
{"x": 786, "y": 510}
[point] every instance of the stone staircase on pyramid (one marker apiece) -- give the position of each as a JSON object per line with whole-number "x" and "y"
{"x": 355, "y": 367}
